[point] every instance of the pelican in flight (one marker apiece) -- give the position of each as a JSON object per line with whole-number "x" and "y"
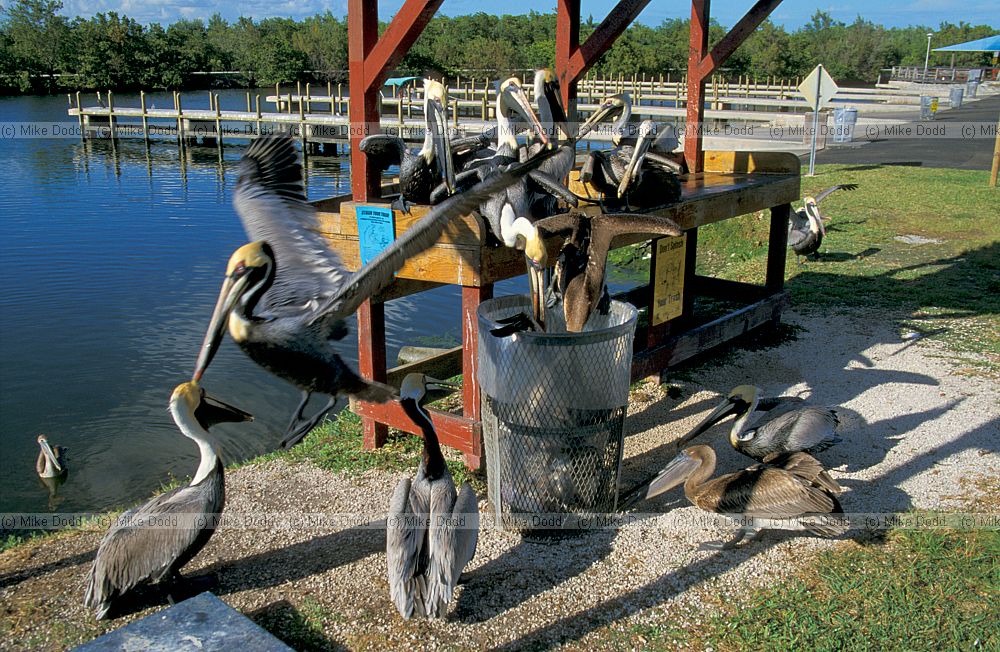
{"x": 286, "y": 294}
{"x": 420, "y": 172}
{"x": 805, "y": 226}
{"x": 431, "y": 530}
{"x": 154, "y": 541}
{"x": 51, "y": 461}
{"x": 789, "y": 491}
{"x": 766, "y": 426}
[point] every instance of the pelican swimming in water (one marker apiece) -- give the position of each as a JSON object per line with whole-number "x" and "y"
{"x": 140, "y": 546}
{"x": 787, "y": 486}
{"x": 51, "y": 461}
{"x": 765, "y": 426}
{"x": 286, "y": 294}
{"x": 805, "y": 226}
{"x": 431, "y": 530}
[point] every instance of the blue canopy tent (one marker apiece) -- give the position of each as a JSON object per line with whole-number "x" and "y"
{"x": 988, "y": 44}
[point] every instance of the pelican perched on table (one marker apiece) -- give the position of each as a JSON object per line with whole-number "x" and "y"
{"x": 787, "y": 486}
{"x": 514, "y": 200}
{"x": 154, "y": 541}
{"x": 420, "y": 172}
{"x": 640, "y": 169}
{"x": 805, "y": 226}
{"x": 431, "y": 530}
{"x": 286, "y": 294}
{"x": 765, "y": 426}
{"x": 578, "y": 280}
{"x": 51, "y": 461}
{"x": 546, "y": 183}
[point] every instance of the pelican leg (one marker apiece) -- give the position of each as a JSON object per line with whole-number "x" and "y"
{"x": 293, "y": 437}
{"x": 401, "y": 204}
{"x": 725, "y": 545}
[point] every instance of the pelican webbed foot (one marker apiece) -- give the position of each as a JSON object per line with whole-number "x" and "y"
{"x": 728, "y": 545}
{"x": 299, "y": 428}
{"x": 400, "y": 204}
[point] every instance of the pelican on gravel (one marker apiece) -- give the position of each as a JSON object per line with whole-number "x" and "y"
{"x": 152, "y": 542}
{"x": 765, "y": 426}
{"x": 431, "y": 531}
{"x": 789, "y": 491}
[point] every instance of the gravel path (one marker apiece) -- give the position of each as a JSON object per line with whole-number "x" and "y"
{"x": 920, "y": 436}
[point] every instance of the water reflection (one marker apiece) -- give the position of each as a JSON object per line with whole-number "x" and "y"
{"x": 112, "y": 254}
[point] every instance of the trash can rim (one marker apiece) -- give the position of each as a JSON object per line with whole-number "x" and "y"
{"x": 560, "y": 339}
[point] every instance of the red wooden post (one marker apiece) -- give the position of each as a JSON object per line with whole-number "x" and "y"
{"x": 697, "y": 51}
{"x": 362, "y": 34}
{"x": 567, "y": 43}
{"x": 471, "y": 408}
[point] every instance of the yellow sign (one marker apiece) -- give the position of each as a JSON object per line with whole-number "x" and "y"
{"x": 668, "y": 280}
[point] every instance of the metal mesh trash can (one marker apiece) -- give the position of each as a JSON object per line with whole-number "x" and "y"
{"x": 553, "y": 414}
{"x": 927, "y": 107}
{"x": 956, "y": 97}
{"x": 843, "y": 124}
{"x": 971, "y": 88}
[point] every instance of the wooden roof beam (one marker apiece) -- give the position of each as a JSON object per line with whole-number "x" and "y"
{"x": 398, "y": 38}
{"x": 735, "y": 37}
{"x": 581, "y": 58}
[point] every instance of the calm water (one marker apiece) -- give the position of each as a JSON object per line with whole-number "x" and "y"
{"x": 112, "y": 259}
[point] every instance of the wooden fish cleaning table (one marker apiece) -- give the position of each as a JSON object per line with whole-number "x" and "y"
{"x": 732, "y": 184}
{"x": 723, "y": 185}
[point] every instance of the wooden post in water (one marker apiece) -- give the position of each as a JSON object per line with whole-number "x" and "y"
{"x": 249, "y": 105}
{"x": 257, "y": 106}
{"x": 308, "y": 99}
{"x": 111, "y": 115}
{"x": 180, "y": 120}
{"x": 302, "y": 126}
{"x": 339, "y": 87}
{"x": 79, "y": 117}
{"x": 145, "y": 121}
{"x": 218, "y": 124}
{"x": 277, "y": 98}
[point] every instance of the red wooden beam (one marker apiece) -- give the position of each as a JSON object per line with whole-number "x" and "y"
{"x": 452, "y": 430}
{"x": 739, "y": 33}
{"x": 362, "y": 34}
{"x": 567, "y": 43}
{"x": 603, "y": 38}
{"x": 697, "y": 51}
{"x": 398, "y": 38}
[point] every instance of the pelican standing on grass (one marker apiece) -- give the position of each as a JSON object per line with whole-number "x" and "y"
{"x": 805, "y": 226}
{"x": 765, "y": 426}
{"x": 286, "y": 294}
{"x": 154, "y": 541}
{"x": 790, "y": 491}
{"x": 51, "y": 461}
{"x": 431, "y": 530}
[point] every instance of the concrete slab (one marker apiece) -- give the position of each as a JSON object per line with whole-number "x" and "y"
{"x": 202, "y": 624}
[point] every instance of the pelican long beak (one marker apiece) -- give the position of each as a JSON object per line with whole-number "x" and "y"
{"x": 228, "y": 296}
{"x": 727, "y": 408}
{"x": 522, "y": 106}
{"x": 559, "y": 122}
{"x": 536, "y": 285}
{"x": 596, "y": 118}
{"x": 674, "y": 473}
{"x": 212, "y": 411}
{"x": 434, "y": 383}
{"x": 442, "y": 143}
{"x": 50, "y": 455}
{"x": 813, "y": 210}
{"x": 635, "y": 163}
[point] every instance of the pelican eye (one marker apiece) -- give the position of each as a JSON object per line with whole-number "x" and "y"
{"x": 240, "y": 269}
{"x": 748, "y": 435}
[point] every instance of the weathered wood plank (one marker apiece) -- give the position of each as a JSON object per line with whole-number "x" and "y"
{"x": 443, "y": 365}
{"x": 747, "y": 162}
{"x": 452, "y": 429}
{"x": 704, "y": 337}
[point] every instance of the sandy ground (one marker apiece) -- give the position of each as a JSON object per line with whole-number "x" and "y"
{"x": 920, "y": 436}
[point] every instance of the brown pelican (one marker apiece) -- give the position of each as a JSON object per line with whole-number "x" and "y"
{"x": 787, "y": 486}
{"x": 154, "y": 541}
{"x": 286, "y": 294}
{"x": 579, "y": 273}
{"x": 431, "y": 531}
{"x": 51, "y": 461}
{"x": 805, "y": 226}
{"x": 546, "y": 183}
{"x": 639, "y": 170}
{"x": 419, "y": 173}
{"x": 781, "y": 425}
{"x": 515, "y": 200}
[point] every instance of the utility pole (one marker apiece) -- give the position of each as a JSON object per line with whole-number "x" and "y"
{"x": 927, "y": 58}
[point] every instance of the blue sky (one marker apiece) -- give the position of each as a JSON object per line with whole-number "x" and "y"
{"x": 791, "y": 13}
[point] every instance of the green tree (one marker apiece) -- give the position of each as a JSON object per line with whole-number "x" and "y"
{"x": 36, "y": 40}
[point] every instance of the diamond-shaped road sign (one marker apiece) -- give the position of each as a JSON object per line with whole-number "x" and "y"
{"x": 818, "y": 88}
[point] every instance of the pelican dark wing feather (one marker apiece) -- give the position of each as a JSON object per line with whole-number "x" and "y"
{"x": 452, "y": 542}
{"x": 379, "y": 271}
{"x": 137, "y": 549}
{"x": 383, "y": 150}
{"x": 842, "y": 186}
{"x": 767, "y": 492}
{"x": 406, "y": 555}
{"x": 802, "y": 429}
{"x": 271, "y": 202}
